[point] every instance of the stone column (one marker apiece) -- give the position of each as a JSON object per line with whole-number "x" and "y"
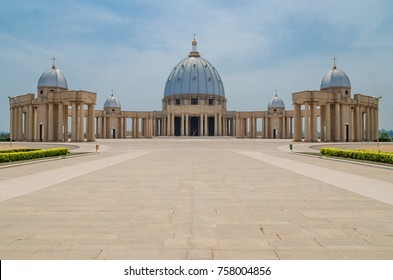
{"x": 237, "y": 132}
{"x": 187, "y": 132}
{"x": 137, "y": 127}
{"x": 125, "y": 127}
{"x": 376, "y": 123}
{"x": 121, "y": 134}
{"x": 172, "y": 124}
{"x": 151, "y": 130}
{"x": 215, "y": 124}
{"x": 98, "y": 129}
{"x": 133, "y": 135}
{"x": 225, "y": 126}
{"x": 328, "y": 124}
{"x": 297, "y": 122}
{"x": 65, "y": 118}
{"x": 372, "y": 122}
{"x": 30, "y": 123}
{"x": 342, "y": 125}
{"x": 201, "y": 126}
{"x": 206, "y": 126}
{"x": 81, "y": 123}
{"x": 168, "y": 124}
{"x": 14, "y": 116}
{"x": 284, "y": 126}
{"x": 155, "y": 126}
{"x": 313, "y": 120}
{"x": 182, "y": 125}
{"x": 337, "y": 123}
{"x": 20, "y": 124}
{"x": 104, "y": 125}
{"x": 254, "y": 124}
{"x": 234, "y": 126}
{"x": 74, "y": 123}
{"x": 307, "y": 132}
{"x": 358, "y": 121}
{"x": 368, "y": 124}
{"x": 50, "y": 122}
{"x": 162, "y": 126}
{"x": 90, "y": 123}
{"x": 60, "y": 122}
{"x": 150, "y": 127}
{"x": 353, "y": 125}
{"x": 322, "y": 110}
{"x": 219, "y": 125}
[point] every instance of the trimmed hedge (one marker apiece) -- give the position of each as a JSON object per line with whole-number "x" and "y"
{"x": 17, "y": 151}
{"x": 15, "y": 156}
{"x": 375, "y": 156}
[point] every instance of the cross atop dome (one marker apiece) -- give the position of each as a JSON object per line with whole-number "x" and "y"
{"x": 334, "y": 63}
{"x": 194, "y": 52}
{"x": 194, "y": 45}
{"x": 53, "y": 62}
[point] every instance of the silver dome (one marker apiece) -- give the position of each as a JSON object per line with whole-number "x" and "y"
{"x": 335, "y": 78}
{"x": 276, "y": 103}
{"x": 53, "y": 78}
{"x": 112, "y": 102}
{"x": 194, "y": 75}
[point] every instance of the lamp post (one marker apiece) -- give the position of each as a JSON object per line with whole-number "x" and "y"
{"x": 378, "y": 98}
{"x": 10, "y": 98}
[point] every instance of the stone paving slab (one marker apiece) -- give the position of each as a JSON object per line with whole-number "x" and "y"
{"x": 193, "y": 199}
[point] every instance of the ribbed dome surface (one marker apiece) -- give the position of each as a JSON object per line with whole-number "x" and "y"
{"x": 276, "y": 102}
{"x": 53, "y": 78}
{"x": 112, "y": 102}
{"x": 194, "y": 75}
{"x": 335, "y": 78}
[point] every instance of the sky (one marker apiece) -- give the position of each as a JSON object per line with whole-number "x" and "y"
{"x": 257, "y": 46}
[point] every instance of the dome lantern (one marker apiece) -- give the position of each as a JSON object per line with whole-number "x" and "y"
{"x": 194, "y": 52}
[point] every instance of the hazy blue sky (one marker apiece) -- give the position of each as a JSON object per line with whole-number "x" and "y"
{"x": 257, "y": 46}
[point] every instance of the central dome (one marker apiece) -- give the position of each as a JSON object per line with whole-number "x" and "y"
{"x": 194, "y": 75}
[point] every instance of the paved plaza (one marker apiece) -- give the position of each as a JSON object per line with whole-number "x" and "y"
{"x": 195, "y": 198}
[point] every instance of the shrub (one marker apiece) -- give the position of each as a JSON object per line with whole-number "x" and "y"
{"x": 375, "y": 156}
{"x": 34, "y": 154}
{"x": 17, "y": 151}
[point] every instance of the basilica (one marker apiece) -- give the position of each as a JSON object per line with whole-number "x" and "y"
{"x": 193, "y": 104}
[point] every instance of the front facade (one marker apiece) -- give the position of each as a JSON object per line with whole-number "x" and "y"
{"x": 194, "y": 104}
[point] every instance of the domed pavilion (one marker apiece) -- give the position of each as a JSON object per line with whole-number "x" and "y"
{"x": 45, "y": 117}
{"x": 333, "y": 112}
